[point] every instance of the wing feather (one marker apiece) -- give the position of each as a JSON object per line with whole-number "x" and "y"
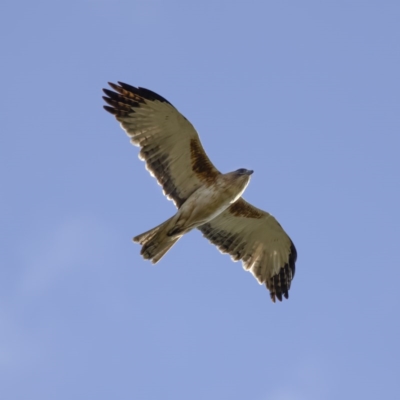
{"x": 255, "y": 237}
{"x": 170, "y": 146}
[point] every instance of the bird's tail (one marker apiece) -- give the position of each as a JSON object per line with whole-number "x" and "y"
{"x": 156, "y": 242}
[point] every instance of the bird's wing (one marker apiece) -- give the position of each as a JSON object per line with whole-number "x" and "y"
{"x": 255, "y": 237}
{"x": 170, "y": 145}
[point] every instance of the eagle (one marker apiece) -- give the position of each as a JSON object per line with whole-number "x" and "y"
{"x": 206, "y": 199}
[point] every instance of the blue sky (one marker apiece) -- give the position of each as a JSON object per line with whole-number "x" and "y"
{"x": 306, "y": 94}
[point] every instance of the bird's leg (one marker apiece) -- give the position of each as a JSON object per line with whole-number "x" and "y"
{"x": 182, "y": 223}
{"x": 174, "y": 231}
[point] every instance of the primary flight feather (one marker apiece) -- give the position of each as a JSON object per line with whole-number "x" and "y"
{"x": 206, "y": 199}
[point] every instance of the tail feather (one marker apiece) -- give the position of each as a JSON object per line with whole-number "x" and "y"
{"x": 146, "y": 236}
{"x": 155, "y": 253}
{"x": 156, "y": 242}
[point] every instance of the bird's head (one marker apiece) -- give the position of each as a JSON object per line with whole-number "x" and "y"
{"x": 243, "y": 171}
{"x": 242, "y": 176}
{"x": 238, "y": 180}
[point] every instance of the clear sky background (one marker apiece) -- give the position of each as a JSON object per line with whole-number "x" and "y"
{"x": 306, "y": 93}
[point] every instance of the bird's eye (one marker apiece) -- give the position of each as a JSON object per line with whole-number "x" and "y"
{"x": 241, "y": 170}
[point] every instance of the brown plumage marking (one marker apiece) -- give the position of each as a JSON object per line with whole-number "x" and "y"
{"x": 128, "y": 96}
{"x": 241, "y": 208}
{"x": 201, "y": 164}
{"x": 126, "y": 93}
{"x": 115, "y": 99}
{"x": 141, "y": 92}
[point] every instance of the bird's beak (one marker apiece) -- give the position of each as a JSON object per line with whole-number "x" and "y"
{"x": 249, "y": 171}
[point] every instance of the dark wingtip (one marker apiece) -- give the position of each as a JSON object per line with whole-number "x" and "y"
{"x": 115, "y": 87}
{"x": 108, "y": 92}
{"x": 279, "y": 284}
{"x": 142, "y": 92}
{"x": 111, "y": 110}
{"x": 292, "y": 258}
{"x": 125, "y": 86}
{"x": 109, "y": 101}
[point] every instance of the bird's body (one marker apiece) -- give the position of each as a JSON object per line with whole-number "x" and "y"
{"x": 206, "y": 199}
{"x": 202, "y": 206}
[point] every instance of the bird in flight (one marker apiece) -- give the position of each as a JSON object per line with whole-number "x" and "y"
{"x": 206, "y": 199}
